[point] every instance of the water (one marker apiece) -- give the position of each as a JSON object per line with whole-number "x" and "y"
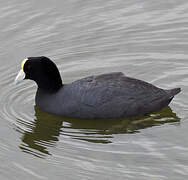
{"x": 144, "y": 39}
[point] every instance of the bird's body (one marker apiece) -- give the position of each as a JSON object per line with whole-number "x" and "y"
{"x": 110, "y": 95}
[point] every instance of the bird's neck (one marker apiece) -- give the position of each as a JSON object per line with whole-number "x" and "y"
{"x": 49, "y": 86}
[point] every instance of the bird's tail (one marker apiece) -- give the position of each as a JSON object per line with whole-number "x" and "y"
{"x": 173, "y": 92}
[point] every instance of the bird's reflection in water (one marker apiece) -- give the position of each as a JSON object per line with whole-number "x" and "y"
{"x": 43, "y": 134}
{"x": 47, "y": 128}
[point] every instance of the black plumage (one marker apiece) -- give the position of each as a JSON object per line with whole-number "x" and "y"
{"x": 111, "y": 95}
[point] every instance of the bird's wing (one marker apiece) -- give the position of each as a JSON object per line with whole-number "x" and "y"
{"x": 98, "y": 90}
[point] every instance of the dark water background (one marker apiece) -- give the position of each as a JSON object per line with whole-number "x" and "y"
{"x": 144, "y": 39}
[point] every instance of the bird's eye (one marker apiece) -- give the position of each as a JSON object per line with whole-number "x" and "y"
{"x": 28, "y": 67}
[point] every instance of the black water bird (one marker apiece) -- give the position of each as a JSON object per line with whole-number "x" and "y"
{"x": 111, "y": 95}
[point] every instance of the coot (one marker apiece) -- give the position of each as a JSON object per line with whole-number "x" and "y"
{"x": 111, "y": 95}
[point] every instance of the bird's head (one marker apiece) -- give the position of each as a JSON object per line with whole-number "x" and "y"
{"x": 41, "y": 70}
